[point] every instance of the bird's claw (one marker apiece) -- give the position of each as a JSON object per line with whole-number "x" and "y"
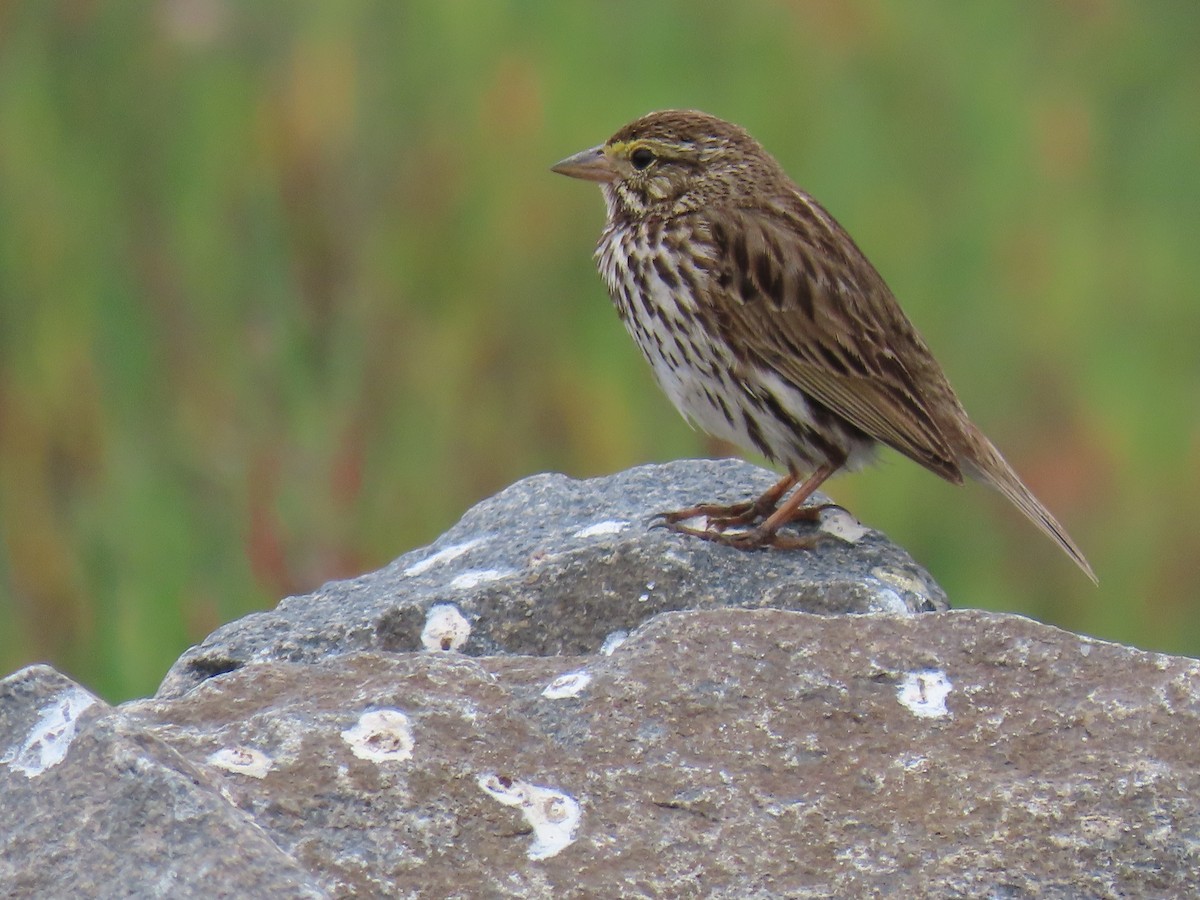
{"x": 753, "y": 539}
{"x": 724, "y": 516}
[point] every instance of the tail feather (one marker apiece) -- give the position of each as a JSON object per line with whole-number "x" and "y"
{"x": 993, "y": 470}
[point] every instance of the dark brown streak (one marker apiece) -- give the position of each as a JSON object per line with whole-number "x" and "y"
{"x": 769, "y": 278}
{"x": 755, "y": 435}
{"x": 664, "y": 272}
{"x": 802, "y": 293}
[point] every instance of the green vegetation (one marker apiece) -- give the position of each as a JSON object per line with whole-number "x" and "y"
{"x": 285, "y": 287}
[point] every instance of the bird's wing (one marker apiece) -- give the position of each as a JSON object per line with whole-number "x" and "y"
{"x": 807, "y": 304}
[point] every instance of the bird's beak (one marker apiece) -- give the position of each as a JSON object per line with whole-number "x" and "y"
{"x": 590, "y": 165}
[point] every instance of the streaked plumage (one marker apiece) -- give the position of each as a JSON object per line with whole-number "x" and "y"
{"x": 767, "y": 326}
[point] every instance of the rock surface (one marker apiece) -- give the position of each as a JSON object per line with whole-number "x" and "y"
{"x": 554, "y": 565}
{"x": 720, "y": 751}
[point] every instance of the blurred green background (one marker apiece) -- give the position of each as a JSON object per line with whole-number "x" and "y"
{"x": 286, "y": 286}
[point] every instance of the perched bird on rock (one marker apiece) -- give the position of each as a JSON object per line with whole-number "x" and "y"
{"x": 767, "y": 327}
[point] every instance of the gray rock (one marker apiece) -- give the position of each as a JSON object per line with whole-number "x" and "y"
{"x": 732, "y": 745}
{"x": 94, "y": 804}
{"x": 721, "y": 753}
{"x": 553, "y": 565}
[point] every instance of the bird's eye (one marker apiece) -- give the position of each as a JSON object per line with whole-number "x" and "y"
{"x": 641, "y": 158}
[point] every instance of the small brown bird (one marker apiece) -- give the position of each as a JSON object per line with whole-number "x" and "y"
{"x": 768, "y": 328}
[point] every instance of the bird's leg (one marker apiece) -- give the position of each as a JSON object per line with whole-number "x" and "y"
{"x": 721, "y": 517}
{"x": 767, "y": 534}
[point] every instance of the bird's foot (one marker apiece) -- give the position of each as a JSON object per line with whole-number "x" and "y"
{"x": 722, "y": 516}
{"x": 718, "y": 516}
{"x": 723, "y": 525}
{"x": 752, "y": 539}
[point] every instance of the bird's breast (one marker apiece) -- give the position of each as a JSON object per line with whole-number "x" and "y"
{"x": 659, "y": 286}
{"x": 668, "y": 295}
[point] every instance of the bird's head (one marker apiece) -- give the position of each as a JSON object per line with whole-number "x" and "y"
{"x": 672, "y": 162}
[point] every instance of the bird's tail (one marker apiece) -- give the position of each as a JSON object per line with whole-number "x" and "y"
{"x": 993, "y": 469}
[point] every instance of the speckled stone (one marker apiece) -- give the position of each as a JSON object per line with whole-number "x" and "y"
{"x": 554, "y": 701}
{"x": 719, "y": 753}
{"x": 95, "y": 804}
{"x": 556, "y": 565}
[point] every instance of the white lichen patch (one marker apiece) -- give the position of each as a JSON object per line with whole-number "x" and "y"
{"x": 553, "y": 815}
{"x": 446, "y": 554}
{"x": 901, "y": 580}
{"x": 609, "y": 526}
{"x": 570, "y": 684}
{"x": 838, "y": 522}
{"x": 445, "y": 628}
{"x": 381, "y": 735}
{"x": 241, "y": 760}
{"x": 475, "y": 577}
{"x": 614, "y": 640}
{"x": 924, "y": 693}
{"x": 47, "y": 743}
